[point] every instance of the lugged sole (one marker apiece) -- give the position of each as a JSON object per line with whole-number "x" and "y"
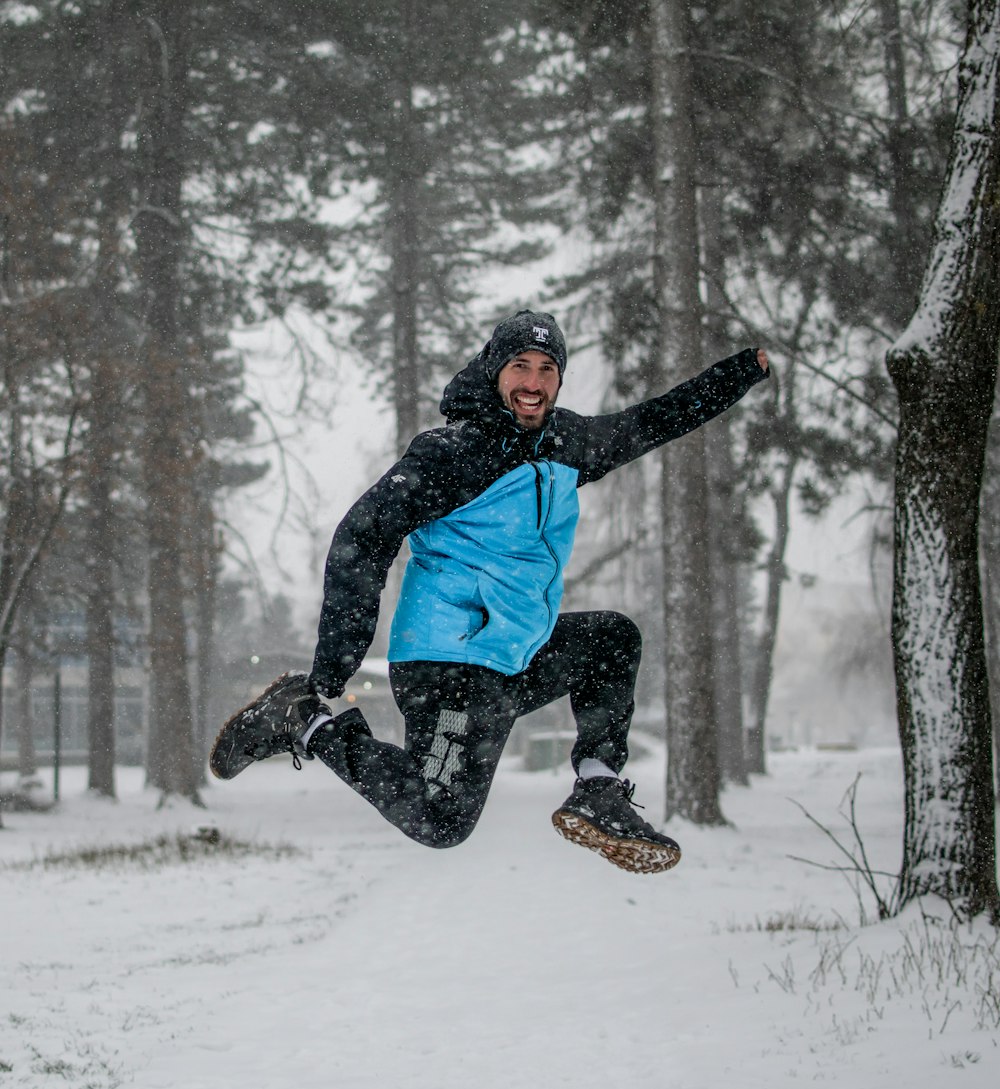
{"x": 634, "y": 855}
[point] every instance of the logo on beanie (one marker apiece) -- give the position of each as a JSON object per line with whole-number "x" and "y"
{"x": 540, "y": 333}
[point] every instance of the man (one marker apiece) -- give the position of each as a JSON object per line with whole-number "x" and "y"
{"x": 489, "y": 505}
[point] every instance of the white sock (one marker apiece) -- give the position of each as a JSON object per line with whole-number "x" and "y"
{"x": 313, "y": 726}
{"x": 592, "y": 769}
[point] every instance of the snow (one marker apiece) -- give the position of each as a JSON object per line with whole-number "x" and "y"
{"x": 517, "y": 959}
{"x": 966, "y": 196}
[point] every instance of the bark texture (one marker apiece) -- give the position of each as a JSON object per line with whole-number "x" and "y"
{"x": 166, "y": 463}
{"x": 726, "y": 507}
{"x": 944, "y": 368}
{"x": 693, "y": 779}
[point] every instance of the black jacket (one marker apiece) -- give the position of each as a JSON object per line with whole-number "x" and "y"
{"x": 448, "y": 467}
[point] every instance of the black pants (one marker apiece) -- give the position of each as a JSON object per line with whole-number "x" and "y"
{"x": 458, "y": 718}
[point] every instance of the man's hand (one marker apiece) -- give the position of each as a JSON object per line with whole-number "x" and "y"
{"x": 762, "y": 359}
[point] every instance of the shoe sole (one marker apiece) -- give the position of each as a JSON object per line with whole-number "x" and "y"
{"x": 634, "y": 855}
{"x": 221, "y": 769}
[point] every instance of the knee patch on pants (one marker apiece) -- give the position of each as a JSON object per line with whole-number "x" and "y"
{"x": 446, "y": 754}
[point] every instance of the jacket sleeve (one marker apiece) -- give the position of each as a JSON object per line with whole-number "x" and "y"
{"x": 416, "y": 490}
{"x": 621, "y": 437}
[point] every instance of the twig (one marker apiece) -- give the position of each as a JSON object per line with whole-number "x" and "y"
{"x": 860, "y": 868}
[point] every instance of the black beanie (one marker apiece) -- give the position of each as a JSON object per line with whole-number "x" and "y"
{"x": 526, "y": 331}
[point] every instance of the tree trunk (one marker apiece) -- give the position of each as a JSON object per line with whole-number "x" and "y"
{"x": 15, "y": 563}
{"x": 100, "y": 590}
{"x": 989, "y": 565}
{"x": 105, "y": 377}
{"x": 775, "y": 575}
{"x": 3, "y": 666}
{"x": 166, "y": 462}
{"x": 206, "y": 579}
{"x": 944, "y": 367}
{"x": 693, "y": 779}
{"x": 785, "y": 423}
{"x": 27, "y": 755}
{"x": 726, "y": 508}
{"x": 405, "y": 364}
{"x": 992, "y": 631}
{"x": 404, "y": 175}
{"x": 106, "y": 381}
{"x": 902, "y": 291}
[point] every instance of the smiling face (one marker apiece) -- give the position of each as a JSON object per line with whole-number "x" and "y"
{"x": 528, "y": 386}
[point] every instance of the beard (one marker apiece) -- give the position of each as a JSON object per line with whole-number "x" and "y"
{"x": 531, "y": 417}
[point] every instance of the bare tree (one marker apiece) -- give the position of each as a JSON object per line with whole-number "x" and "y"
{"x": 785, "y": 422}
{"x": 944, "y": 368}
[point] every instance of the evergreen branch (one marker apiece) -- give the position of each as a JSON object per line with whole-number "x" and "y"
{"x": 801, "y": 95}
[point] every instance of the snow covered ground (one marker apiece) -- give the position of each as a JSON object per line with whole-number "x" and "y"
{"x": 362, "y": 960}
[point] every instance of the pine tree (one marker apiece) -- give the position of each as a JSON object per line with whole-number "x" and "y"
{"x": 108, "y": 150}
{"x": 693, "y": 778}
{"x": 432, "y": 143}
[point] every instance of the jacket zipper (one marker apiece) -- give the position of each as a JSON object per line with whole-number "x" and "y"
{"x": 541, "y": 534}
{"x": 538, "y": 494}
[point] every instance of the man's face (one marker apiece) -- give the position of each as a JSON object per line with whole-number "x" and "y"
{"x": 528, "y": 386}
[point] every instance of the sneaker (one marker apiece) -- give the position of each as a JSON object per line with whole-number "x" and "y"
{"x": 599, "y": 815}
{"x": 270, "y": 724}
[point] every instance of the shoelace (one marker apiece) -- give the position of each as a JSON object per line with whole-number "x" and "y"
{"x": 628, "y": 789}
{"x": 262, "y": 747}
{"x": 286, "y": 733}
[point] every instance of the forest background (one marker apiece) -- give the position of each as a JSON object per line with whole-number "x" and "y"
{"x": 204, "y": 202}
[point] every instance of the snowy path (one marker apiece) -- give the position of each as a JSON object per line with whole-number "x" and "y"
{"x": 514, "y": 960}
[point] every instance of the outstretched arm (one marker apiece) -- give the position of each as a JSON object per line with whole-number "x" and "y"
{"x": 621, "y": 437}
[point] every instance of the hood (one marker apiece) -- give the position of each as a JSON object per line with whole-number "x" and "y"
{"x": 472, "y": 394}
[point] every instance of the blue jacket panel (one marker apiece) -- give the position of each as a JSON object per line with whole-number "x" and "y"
{"x": 484, "y": 583}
